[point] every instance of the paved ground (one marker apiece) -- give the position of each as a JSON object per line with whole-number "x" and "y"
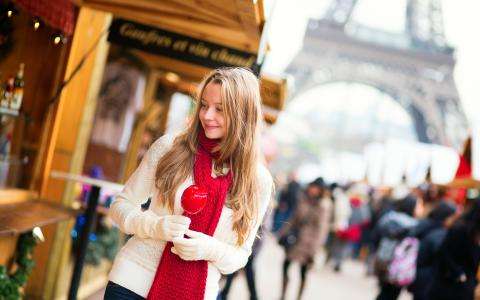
{"x": 322, "y": 282}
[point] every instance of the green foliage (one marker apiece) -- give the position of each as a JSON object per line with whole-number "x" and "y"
{"x": 106, "y": 246}
{"x": 11, "y": 284}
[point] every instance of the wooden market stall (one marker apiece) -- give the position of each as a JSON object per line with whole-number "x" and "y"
{"x": 237, "y": 23}
{"x": 188, "y": 38}
{"x": 177, "y": 42}
{"x": 34, "y": 49}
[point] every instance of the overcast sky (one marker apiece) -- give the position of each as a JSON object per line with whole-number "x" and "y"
{"x": 462, "y": 24}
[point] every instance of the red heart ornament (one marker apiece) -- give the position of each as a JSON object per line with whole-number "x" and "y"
{"x": 194, "y": 199}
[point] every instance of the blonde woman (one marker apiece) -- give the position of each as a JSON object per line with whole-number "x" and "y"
{"x": 175, "y": 254}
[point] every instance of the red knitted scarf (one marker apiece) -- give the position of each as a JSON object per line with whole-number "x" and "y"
{"x": 175, "y": 278}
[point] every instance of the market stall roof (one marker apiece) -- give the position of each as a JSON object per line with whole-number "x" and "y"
{"x": 233, "y": 23}
{"x": 191, "y": 37}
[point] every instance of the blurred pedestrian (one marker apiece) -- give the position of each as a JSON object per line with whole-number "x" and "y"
{"x": 339, "y": 220}
{"x": 287, "y": 202}
{"x": 307, "y": 231}
{"x": 431, "y": 233}
{"x": 459, "y": 258}
{"x": 249, "y": 274}
{"x": 391, "y": 229}
{"x": 350, "y": 236}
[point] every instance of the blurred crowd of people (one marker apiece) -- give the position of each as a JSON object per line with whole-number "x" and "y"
{"x": 424, "y": 240}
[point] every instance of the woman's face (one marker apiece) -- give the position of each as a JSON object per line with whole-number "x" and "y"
{"x": 211, "y": 112}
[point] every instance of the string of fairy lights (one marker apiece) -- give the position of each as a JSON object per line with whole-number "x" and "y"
{"x": 10, "y": 11}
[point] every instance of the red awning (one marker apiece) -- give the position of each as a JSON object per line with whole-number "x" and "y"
{"x": 59, "y": 14}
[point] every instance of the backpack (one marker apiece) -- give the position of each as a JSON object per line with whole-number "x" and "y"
{"x": 402, "y": 268}
{"x": 384, "y": 256}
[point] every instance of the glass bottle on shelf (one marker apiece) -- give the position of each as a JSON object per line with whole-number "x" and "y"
{"x": 9, "y": 90}
{"x": 17, "y": 98}
{"x": 3, "y": 99}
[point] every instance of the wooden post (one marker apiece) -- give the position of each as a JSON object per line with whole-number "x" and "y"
{"x": 59, "y": 144}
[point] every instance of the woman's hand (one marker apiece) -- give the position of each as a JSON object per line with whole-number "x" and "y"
{"x": 170, "y": 227}
{"x": 198, "y": 246}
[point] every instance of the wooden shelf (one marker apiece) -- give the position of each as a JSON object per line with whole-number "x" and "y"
{"x": 22, "y": 217}
{"x": 12, "y": 196}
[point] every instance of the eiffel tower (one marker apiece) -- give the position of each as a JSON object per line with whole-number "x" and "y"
{"x": 415, "y": 68}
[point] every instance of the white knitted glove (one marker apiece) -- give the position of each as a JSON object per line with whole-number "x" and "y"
{"x": 149, "y": 225}
{"x": 199, "y": 246}
{"x": 169, "y": 227}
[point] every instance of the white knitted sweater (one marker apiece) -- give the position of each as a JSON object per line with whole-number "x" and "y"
{"x": 136, "y": 263}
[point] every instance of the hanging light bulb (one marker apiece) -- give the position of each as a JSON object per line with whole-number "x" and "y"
{"x": 36, "y": 24}
{"x": 59, "y": 38}
{"x": 38, "y": 234}
{"x": 10, "y": 10}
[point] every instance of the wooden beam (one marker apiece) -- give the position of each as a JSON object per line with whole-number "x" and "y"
{"x": 249, "y": 18}
{"x": 219, "y": 22}
{"x": 185, "y": 70}
{"x": 64, "y": 120}
{"x": 221, "y": 13}
{"x": 215, "y": 12}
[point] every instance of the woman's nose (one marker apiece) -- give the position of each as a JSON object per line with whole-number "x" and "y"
{"x": 210, "y": 113}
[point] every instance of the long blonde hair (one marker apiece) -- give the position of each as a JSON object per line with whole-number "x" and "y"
{"x": 240, "y": 97}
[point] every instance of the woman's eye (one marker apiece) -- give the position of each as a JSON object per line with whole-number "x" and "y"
{"x": 219, "y": 109}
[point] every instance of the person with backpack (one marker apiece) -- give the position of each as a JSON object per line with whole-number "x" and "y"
{"x": 458, "y": 259}
{"x": 430, "y": 232}
{"x": 393, "y": 250}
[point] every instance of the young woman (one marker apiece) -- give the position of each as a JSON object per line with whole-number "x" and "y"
{"x": 177, "y": 255}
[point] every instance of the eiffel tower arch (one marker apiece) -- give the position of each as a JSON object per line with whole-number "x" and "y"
{"x": 414, "y": 68}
